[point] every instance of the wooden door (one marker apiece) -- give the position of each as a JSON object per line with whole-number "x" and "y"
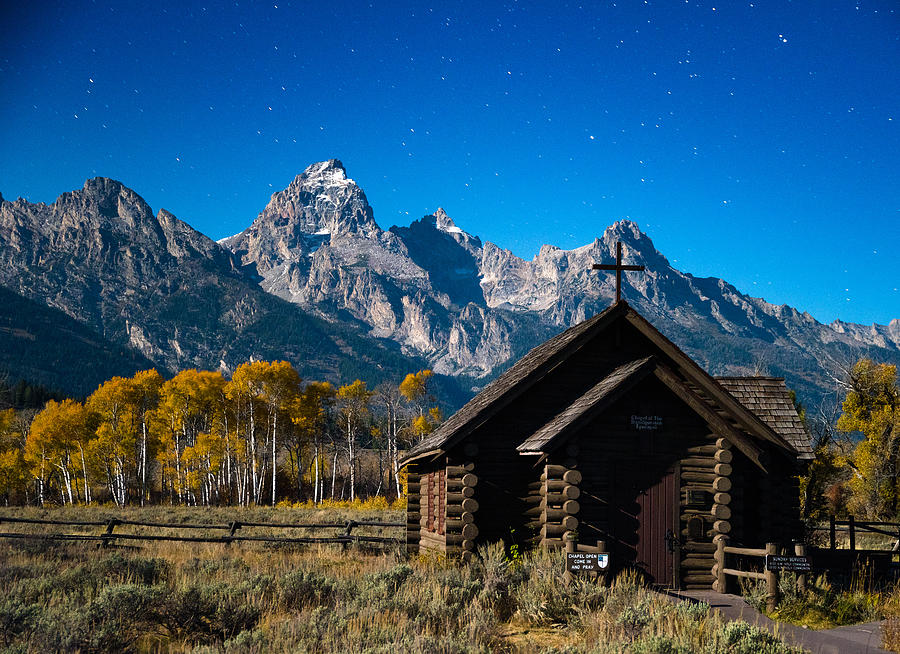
{"x": 656, "y": 528}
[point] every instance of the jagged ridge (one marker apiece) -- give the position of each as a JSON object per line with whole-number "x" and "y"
{"x": 470, "y": 306}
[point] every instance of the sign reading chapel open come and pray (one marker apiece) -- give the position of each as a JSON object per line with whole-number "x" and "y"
{"x": 586, "y": 562}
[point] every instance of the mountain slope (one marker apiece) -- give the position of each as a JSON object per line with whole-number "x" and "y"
{"x": 151, "y": 282}
{"x": 45, "y": 346}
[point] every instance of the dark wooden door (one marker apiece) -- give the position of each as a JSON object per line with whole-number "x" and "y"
{"x": 655, "y": 530}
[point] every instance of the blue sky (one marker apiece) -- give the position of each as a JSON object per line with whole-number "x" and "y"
{"x": 753, "y": 141}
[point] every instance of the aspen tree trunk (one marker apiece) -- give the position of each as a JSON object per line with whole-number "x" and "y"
{"x": 395, "y": 451}
{"x": 178, "y": 478}
{"x": 253, "y": 451}
{"x": 67, "y": 478}
{"x": 334, "y": 472}
{"x": 41, "y": 480}
{"x": 274, "y": 427}
{"x": 316, "y": 497}
{"x": 143, "y": 459}
{"x": 87, "y": 486}
{"x": 351, "y": 455}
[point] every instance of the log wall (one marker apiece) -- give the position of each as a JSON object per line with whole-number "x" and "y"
{"x": 413, "y": 512}
{"x": 553, "y": 505}
{"x": 461, "y": 526}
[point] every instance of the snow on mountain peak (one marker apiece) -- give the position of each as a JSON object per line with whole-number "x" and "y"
{"x": 445, "y": 223}
{"x": 327, "y": 173}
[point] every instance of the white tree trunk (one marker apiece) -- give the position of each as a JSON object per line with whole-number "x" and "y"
{"x": 274, "y": 450}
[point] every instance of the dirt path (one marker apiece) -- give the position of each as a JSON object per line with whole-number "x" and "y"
{"x": 862, "y": 638}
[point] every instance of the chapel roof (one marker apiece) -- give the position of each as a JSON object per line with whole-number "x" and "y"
{"x": 510, "y": 384}
{"x": 599, "y": 396}
{"x": 532, "y": 367}
{"x": 770, "y": 399}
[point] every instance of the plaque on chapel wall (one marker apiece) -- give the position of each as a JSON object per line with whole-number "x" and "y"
{"x": 646, "y": 423}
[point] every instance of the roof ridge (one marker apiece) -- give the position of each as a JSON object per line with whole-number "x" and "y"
{"x": 512, "y": 383}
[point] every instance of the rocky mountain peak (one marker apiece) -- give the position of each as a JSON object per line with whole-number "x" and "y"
{"x": 103, "y": 203}
{"x": 322, "y": 200}
{"x": 637, "y": 247}
{"x": 444, "y": 222}
{"x": 331, "y": 171}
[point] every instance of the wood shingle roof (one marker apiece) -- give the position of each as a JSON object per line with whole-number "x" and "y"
{"x": 769, "y": 398}
{"x": 777, "y": 422}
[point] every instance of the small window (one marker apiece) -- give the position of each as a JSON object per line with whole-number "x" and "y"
{"x": 696, "y": 497}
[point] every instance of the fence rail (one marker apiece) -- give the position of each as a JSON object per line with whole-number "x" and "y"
{"x": 107, "y": 537}
{"x": 767, "y": 575}
{"x": 854, "y": 526}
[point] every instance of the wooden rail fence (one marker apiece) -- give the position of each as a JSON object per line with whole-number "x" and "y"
{"x": 722, "y": 571}
{"x": 109, "y": 534}
{"x": 854, "y": 527}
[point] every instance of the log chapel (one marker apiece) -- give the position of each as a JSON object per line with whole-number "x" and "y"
{"x": 611, "y": 432}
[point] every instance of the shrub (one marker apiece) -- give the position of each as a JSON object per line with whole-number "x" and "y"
{"x": 741, "y": 638}
{"x": 302, "y": 588}
{"x": 16, "y": 618}
{"x": 202, "y": 613}
{"x": 658, "y": 644}
{"x": 136, "y": 569}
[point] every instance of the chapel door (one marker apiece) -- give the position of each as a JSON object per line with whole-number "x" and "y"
{"x": 656, "y": 527}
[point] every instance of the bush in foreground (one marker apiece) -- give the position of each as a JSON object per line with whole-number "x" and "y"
{"x": 253, "y": 598}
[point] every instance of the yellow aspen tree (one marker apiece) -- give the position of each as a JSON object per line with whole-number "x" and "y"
{"x": 12, "y": 457}
{"x": 245, "y": 392}
{"x": 310, "y": 414}
{"x": 280, "y": 387}
{"x": 872, "y": 408}
{"x": 114, "y": 446}
{"x": 190, "y": 403}
{"x": 57, "y": 433}
{"x": 354, "y": 401}
{"x": 145, "y": 388}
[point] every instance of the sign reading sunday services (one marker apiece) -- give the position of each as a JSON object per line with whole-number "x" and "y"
{"x": 789, "y": 563}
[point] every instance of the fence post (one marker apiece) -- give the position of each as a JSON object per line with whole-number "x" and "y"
{"x": 800, "y": 550}
{"x": 721, "y": 577}
{"x": 233, "y": 527}
{"x": 832, "y": 534}
{"x": 109, "y": 531}
{"x": 771, "y": 581}
{"x": 852, "y": 523}
{"x": 348, "y": 533}
{"x": 571, "y": 541}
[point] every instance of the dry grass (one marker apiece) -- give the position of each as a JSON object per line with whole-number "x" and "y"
{"x": 257, "y": 598}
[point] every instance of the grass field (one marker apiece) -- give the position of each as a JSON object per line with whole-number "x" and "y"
{"x": 272, "y": 597}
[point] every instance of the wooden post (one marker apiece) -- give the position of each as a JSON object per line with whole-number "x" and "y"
{"x": 232, "y": 527}
{"x": 852, "y": 534}
{"x": 800, "y": 550}
{"x": 571, "y": 547}
{"x": 721, "y": 577}
{"x": 771, "y": 581}
{"x": 107, "y": 537}
{"x": 348, "y": 532}
{"x": 832, "y": 534}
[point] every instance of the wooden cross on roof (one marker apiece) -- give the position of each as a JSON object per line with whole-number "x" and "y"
{"x": 618, "y": 267}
